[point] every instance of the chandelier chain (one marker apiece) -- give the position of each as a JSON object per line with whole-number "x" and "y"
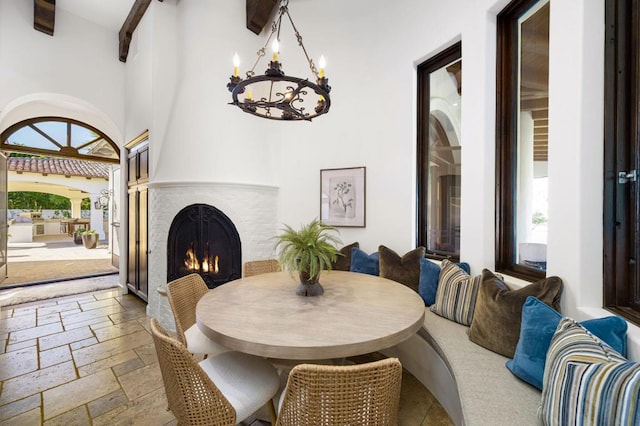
{"x": 312, "y": 66}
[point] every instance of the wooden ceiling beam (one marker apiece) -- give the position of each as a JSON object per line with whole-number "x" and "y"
{"x": 44, "y": 15}
{"x": 258, "y": 14}
{"x": 534, "y": 104}
{"x": 133, "y": 19}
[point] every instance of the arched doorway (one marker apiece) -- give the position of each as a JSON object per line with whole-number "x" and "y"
{"x": 64, "y": 153}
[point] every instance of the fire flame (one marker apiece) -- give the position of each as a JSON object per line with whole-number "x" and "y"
{"x": 209, "y": 264}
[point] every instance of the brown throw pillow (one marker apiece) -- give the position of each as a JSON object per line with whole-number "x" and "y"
{"x": 343, "y": 261}
{"x": 405, "y": 269}
{"x": 498, "y": 311}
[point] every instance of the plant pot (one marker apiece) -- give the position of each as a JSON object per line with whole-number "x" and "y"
{"x": 77, "y": 237}
{"x": 90, "y": 241}
{"x": 308, "y": 286}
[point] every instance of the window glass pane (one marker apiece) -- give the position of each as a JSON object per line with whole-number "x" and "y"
{"x": 532, "y": 147}
{"x": 29, "y": 136}
{"x": 61, "y": 137}
{"x": 439, "y": 153}
{"x": 443, "y": 217}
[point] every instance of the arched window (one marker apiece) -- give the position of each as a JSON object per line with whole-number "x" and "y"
{"x": 60, "y": 137}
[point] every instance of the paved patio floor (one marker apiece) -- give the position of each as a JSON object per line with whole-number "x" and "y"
{"x": 51, "y": 258}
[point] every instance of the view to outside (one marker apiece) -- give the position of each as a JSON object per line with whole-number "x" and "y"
{"x": 532, "y": 166}
{"x": 58, "y": 203}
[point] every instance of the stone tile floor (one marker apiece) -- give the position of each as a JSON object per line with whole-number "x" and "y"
{"x": 89, "y": 359}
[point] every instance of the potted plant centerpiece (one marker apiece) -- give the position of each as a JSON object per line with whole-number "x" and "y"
{"x": 90, "y": 238}
{"x": 308, "y": 251}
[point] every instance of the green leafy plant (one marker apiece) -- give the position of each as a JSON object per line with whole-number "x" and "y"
{"x": 88, "y": 232}
{"x": 308, "y": 250}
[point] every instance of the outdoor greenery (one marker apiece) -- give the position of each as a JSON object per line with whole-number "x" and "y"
{"x": 39, "y": 201}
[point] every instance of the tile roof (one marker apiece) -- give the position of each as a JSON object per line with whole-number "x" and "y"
{"x": 59, "y": 166}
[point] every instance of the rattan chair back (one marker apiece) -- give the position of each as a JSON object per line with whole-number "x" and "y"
{"x": 184, "y": 293}
{"x": 256, "y": 267}
{"x": 193, "y": 398}
{"x": 364, "y": 394}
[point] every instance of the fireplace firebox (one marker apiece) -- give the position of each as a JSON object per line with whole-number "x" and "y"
{"x": 202, "y": 239}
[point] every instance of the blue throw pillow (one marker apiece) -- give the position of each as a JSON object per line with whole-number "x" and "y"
{"x": 364, "y": 263}
{"x": 539, "y": 323}
{"x": 429, "y": 277}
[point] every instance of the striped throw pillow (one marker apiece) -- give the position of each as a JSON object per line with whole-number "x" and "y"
{"x": 586, "y": 382}
{"x": 456, "y": 294}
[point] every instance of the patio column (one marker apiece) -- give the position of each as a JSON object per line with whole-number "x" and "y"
{"x": 97, "y": 221}
{"x": 75, "y": 207}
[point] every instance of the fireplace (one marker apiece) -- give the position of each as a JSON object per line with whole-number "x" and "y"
{"x": 202, "y": 239}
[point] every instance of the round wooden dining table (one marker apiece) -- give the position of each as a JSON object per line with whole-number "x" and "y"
{"x": 357, "y": 314}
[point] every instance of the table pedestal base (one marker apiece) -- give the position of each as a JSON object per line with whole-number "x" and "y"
{"x": 315, "y": 289}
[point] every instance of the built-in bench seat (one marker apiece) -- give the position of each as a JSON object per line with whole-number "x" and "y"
{"x": 472, "y": 383}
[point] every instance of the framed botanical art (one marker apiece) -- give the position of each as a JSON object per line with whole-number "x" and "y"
{"x": 343, "y": 196}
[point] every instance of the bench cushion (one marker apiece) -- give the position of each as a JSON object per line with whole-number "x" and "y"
{"x": 489, "y": 393}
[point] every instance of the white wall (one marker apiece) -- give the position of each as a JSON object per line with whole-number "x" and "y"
{"x": 197, "y": 136}
{"x": 372, "y": 49}
{"x": 79, "y": 63}
{"x": 180, "y": 62}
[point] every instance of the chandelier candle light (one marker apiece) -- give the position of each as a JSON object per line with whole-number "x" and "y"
{"x": 275, "y": 95}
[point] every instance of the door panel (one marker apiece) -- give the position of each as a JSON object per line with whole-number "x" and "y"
{"x": 132, "y": 240}
{"x": 142, "y": 243}
{"x": 4, "y": 227}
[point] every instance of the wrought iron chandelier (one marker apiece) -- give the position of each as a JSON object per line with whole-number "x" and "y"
{"x": 275, "y": 95}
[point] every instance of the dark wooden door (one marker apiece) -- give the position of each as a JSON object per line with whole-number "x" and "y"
{"x": 137, "y": 246}
{"x": 142, "y": 242}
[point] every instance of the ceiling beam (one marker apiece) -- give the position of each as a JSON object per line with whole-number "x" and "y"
{"x": 258, "y": 14}
{"x": 133, "y": 19}
{"x": 44, "y": 15}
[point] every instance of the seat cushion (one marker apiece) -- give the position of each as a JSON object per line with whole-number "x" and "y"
{"x": 199, "y": 343}
{"x": 475, "y": 369}
{"x": 247, "y": 381}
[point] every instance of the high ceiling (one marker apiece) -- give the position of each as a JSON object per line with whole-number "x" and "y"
{"x": 110, "y": 14}
{"x": 123, "y": 16}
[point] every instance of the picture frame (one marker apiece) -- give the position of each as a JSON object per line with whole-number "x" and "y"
{"x": 343, "y": 197}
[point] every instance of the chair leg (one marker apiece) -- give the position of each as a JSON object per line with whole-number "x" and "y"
{"x": 272, "y": 412}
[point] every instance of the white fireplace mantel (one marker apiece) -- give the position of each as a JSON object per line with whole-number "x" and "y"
{"x": 252, "y": 208}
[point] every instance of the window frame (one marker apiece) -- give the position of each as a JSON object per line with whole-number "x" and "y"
{"x": 621, "y": 215}
{"x": 507, "y": 141}
{"x": 424, "y": 70}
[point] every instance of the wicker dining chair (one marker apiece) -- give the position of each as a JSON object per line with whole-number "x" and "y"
{"x": 184, "y": 293}
{"x": 221, "y": 390}
{"x": 363, "y": 394}
{"x": 256, "y": 267}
